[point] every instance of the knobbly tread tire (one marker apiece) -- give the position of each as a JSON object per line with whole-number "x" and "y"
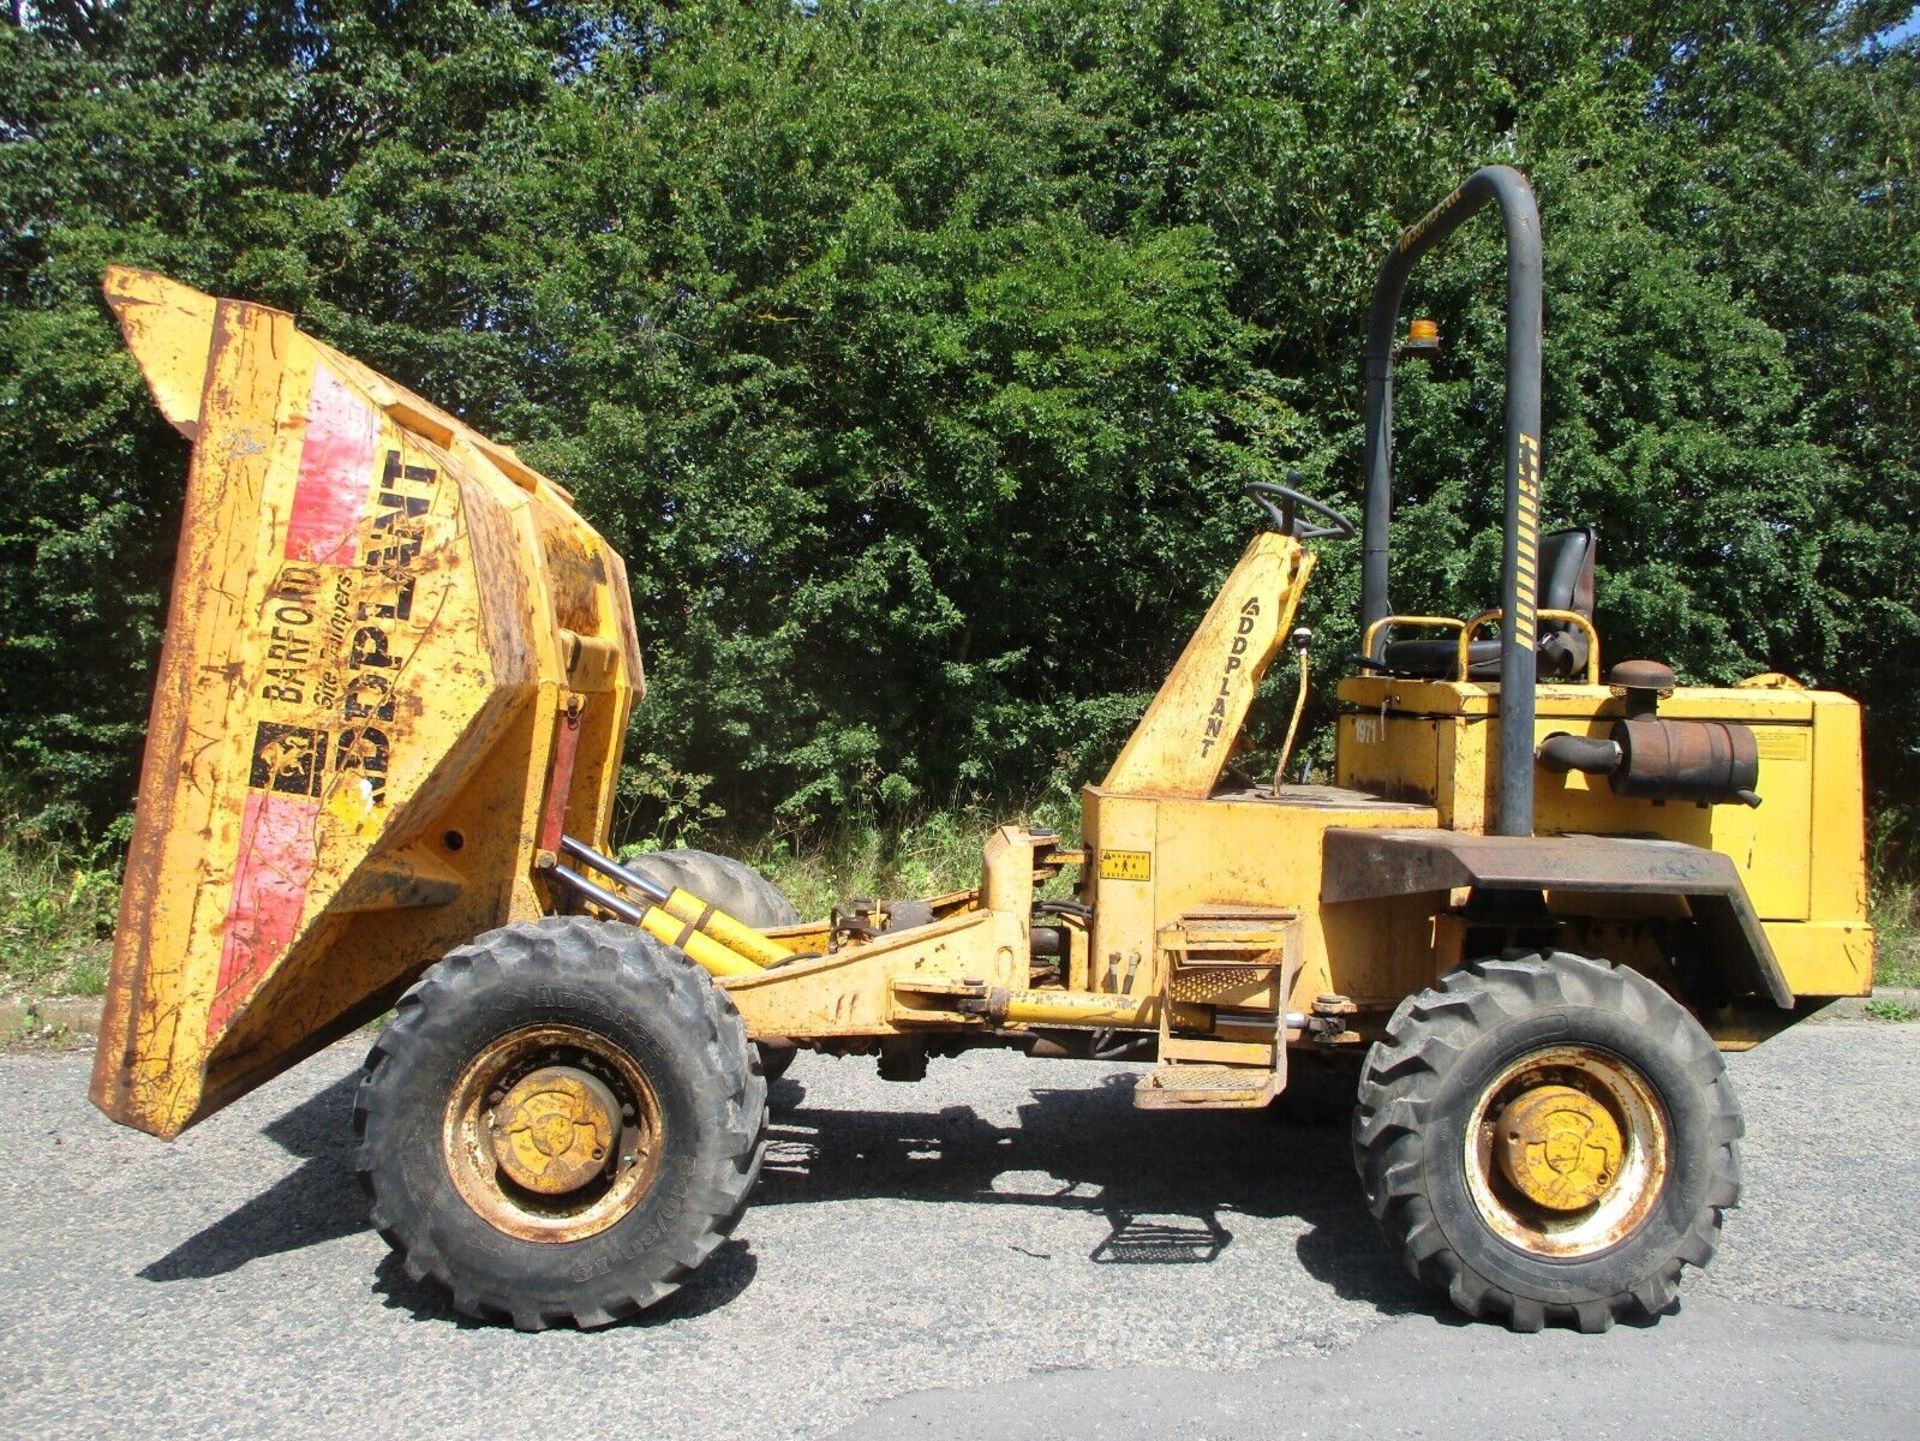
{"x": 1417, "y": 1091}
{"x": 735, "y": 888}
{"x": 628, "y": 988}
{"x": 905, "y": 915}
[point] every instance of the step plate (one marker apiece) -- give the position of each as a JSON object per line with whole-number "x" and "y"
{"x": 1176, "y": 1087}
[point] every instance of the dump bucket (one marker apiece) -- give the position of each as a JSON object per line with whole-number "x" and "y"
{"x": 397, "y": 667}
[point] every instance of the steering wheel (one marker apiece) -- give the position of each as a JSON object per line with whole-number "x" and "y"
{"x": 1284, "y": 506}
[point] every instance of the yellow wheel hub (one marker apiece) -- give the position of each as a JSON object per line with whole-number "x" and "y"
{"x": 1559, "y": 1147}
{"x": 552, "y": 1133}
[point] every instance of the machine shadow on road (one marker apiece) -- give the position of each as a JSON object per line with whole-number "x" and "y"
{"x": 320, "y": 1200}
{"x": 1161, "y": 1182}
{"x": 316, "y": 1202}
{"x": 727, "y": 1273}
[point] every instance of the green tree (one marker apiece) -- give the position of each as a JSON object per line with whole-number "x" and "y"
{"x": 913, "y": 353}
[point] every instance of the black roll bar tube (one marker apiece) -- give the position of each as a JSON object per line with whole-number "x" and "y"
{"x": 1520, "y": 573}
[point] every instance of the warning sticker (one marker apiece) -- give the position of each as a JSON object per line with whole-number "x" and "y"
{"x": 1781, "y": 743}
{"x": 1126, "y": 865}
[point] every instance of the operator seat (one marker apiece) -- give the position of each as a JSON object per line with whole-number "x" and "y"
{"x": 1566, "y": 583}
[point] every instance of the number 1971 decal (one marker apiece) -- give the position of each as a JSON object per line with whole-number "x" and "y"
{"x": 1126, "y": 865}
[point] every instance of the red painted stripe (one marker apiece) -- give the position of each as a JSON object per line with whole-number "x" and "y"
{"x": 336, "y": 474}
{"x": 269, "y": 893}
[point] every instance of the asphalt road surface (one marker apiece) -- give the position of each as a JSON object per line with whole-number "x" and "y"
{"x": 1007, "y": 1249}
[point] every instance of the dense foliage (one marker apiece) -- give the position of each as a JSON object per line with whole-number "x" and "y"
{"x": 914, "y": 352}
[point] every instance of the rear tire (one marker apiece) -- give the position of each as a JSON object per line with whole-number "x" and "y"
{"x": 642, "y": 1032}
{"x": 1589, "y": 1218}
{"x": 735, "y": 888}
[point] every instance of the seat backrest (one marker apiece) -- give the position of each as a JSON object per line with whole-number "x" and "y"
{"x": 1566, "y": 569}
{"x": 1566, "y": 583}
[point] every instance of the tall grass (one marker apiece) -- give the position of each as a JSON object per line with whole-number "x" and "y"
{"x": 58, "y": 899}
{"x": 1896, "y": 923}
{"x": 1893, "y": 878}
{"x": 920, "y": 855}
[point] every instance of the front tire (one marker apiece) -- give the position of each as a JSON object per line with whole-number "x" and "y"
{"x": 561, "y": 1122}
{"x": 1548, "y": 1139}
{"x": 737, "y": 889}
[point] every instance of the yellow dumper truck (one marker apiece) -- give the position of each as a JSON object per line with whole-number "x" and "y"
{"x": 1539, "y": 900}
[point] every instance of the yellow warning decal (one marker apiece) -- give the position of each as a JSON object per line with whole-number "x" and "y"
{"x": 1782, "y": 743}
{"x": 1126, "y": 865}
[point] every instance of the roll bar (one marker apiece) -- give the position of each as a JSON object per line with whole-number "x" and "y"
{"x": 1520, "y": 572}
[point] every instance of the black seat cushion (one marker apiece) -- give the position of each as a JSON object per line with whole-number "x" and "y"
{"x": 1566, "y": 583}
{"x": 1434, "y": 659}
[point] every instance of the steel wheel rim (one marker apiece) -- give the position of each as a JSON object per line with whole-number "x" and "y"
{"x": 1634, "y": 1188}
{"x": 469, "y": 1149}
